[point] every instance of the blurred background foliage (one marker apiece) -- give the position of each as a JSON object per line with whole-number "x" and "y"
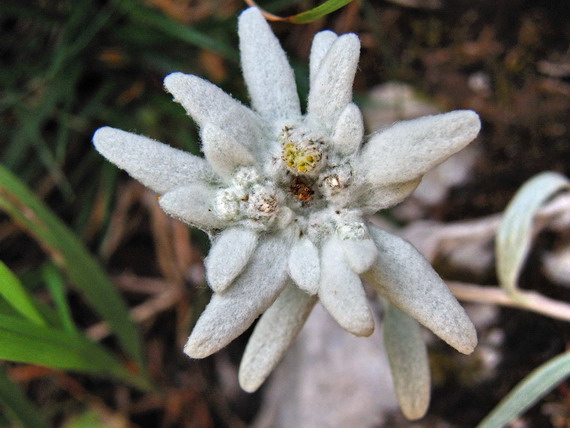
{"x": 68, "y": 67}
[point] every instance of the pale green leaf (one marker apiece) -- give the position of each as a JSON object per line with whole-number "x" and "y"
{"x": 515, "y": 231}
{"x": 17, "y": 296}
{"x": 541, "y": 381}
{"x": 409, "y": 362}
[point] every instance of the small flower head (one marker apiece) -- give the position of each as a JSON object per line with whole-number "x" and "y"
{"x": 301, "y": 154}
{"x": 249, "y": 200}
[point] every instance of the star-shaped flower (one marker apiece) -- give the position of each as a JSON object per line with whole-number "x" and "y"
{"x": 286, "y": 196}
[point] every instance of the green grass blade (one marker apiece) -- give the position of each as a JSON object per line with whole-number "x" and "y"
{"x": 19, "y": 10}
{"x": 25, "y": 342}
{"x": 30, "y": 121}
{"x": 318, "y": 12}
{"x": 56, "y": 286}
{"x": 541, "y": 381}
{"x": 32, "y": 281}
{"x": 515, "y": 231}
{"x": 147, "y": 17}
{"x": 17, "y": 296}
{"x": 81, "y": 28}
{"x": 71, "y": 256}
{"x": 17, "y": 405}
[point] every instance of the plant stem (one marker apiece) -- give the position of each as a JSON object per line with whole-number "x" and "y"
{"x": 528, "y": 300}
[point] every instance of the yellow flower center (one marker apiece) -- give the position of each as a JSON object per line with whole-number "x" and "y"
{"x": 301, "y": 158}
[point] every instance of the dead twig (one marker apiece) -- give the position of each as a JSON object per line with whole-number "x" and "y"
{"x": 432, "y": 238}
{"x": 529, "y": 300}
{"x": 267, "y": 15}
{"x": 137, "y": 284}
{"x": 143, "y": 312}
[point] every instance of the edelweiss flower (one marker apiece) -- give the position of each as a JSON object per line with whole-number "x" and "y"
{"x": 285, "y": 198}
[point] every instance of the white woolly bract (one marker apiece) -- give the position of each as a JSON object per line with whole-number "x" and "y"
{"x": 331, "y": 89}
{"x": 192, "y": 204}
{"x": 273, "y": 334}
{"x": 360, "y": 255}
{"x": 409, "y": 362}
{"x": 269, "y": 77}
{"x": 304, "y": 265}
{"x": 408, "y": 149}
{"x": 224, "y": 152}
{"x": 229, "y": 254}
{"x": 348, "y": 130}
{"x": 341, "y": 291}
{"x": 208, "y": 104}
{"x": 156, "y": 165}
{"x": 322, "y": 42}
{"x": 230, "y": 313}
{"x": 406, "y": 279}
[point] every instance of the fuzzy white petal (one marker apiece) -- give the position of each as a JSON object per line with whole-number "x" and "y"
{"x": 360, "y": 255}
{"x": 375, "y": 198}
{"x": 348, "y": 131}
{"x": 405, "y": 278}
{"x": 304, "y": 265}
{"x": 268, "y": 75}
{"x": 230, "y": 313}
{"x": 160, "y": 167}
{"x": 223, "y": 152}
{"x": 341, "y": 292}
{"x": 229, "y": 254}
{"x": 409, "y": 362}
{"x": 408, "y": 149}
{"x": 331, "y": 90}
{"x": 322, "y": 42}
{"x": 274, "y": 332}
{"x": 192, "y": 205}
{"x": 208, "y": 104}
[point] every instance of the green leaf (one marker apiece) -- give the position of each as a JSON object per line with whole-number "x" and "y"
{"x": 25, "y": 342}
{"x": 541, "y": 381}
{"x": 56, "y": 286}
{"x": 515, "y": 231}
{"x": 17, "y": 405}
{"x": 71, "y": 257}
{"x": 311, "y": 15}
{"x": 318, "y": 12}
{"x": 148, "y": 18}
{"x": 17, "y": 296}
{"x": 409, "y": 362}
{"x": 83, "y": 24}
{"x": 94, "y": 418}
